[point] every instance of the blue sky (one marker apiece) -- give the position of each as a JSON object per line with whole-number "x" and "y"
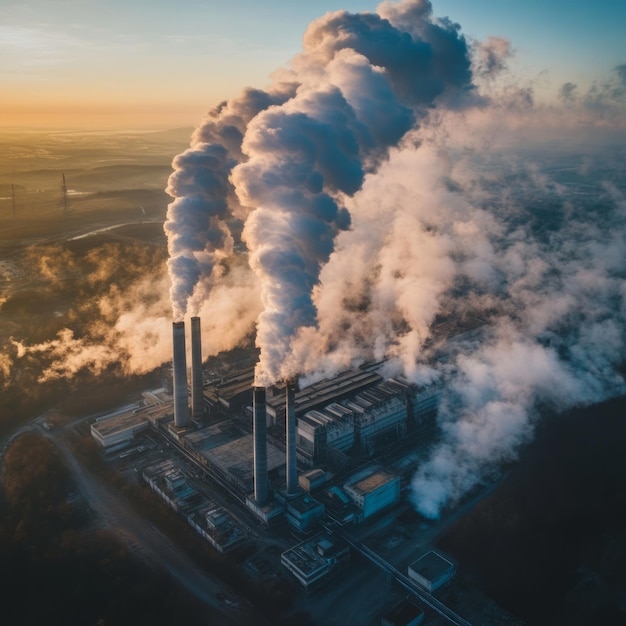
{"x": 166, "y": 61}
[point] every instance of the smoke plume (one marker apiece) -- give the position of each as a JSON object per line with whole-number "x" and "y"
{"x": 379, "y": 197}
{"x": 360, "y": 84}
{"x": 197, "y": 226}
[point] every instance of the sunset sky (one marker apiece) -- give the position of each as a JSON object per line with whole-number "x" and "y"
{"x": 97, "y": 63}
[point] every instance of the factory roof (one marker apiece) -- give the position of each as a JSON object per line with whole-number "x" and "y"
{"x": 371, "y": 482}
{"x": 131, "y": 418}
{"x": 118, "y": 423}
{"x": 304, "y": 504}
{"x": 325, "y": 391}
{"x": 432, "y": 566}
{"x": 314, "y": 474}
{"x": 306, "y": 556}
{"x": 206, "y": 439}
{"x": 237, "y": 457}
{"x": 236, "y": 385}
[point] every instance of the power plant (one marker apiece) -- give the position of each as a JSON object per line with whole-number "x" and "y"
{"x": 254, "y": 439}
{"x": 295, "y": 460}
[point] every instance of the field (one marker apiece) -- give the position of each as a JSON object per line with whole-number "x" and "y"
{"x": 52, "y": 275}
{"x": 108, "y": 177}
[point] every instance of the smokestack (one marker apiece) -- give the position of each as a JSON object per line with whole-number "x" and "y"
{"x": 261, "y": 487}
{"x": 290, "y": 428}
{"x": 181, "y": 407}
{"x": 197, "y": 405}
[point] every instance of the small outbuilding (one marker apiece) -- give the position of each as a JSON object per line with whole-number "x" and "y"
{"x": 431, "y": 570}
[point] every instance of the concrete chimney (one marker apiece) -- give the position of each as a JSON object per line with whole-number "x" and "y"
{"x": 290, "y": 437}
{"x": 261, "y": 483}
{"x": 197, "y": 402}
{"x": 181, "y": 395}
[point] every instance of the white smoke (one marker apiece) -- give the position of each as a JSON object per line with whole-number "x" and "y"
{"x": 363, "y": 82}
{"x": 198, "y": 220}
{"x": 371, "y": 209}
{"x": 128, "y": 330}
{"x": 439, "y": 231}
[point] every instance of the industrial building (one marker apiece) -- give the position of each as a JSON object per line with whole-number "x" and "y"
{"x": 304, "y": 512}
{"x": 215, "y": 524}
{"x": 293, "y": 456}
{"x": 379, "y": 411}
{"x": 167, "y": 481}
{"x": 315, "y": 561}
{"x": 431, "y": 571}
{"x": 312, "y": 480}
{"x": 209, "y": 519}
{"x": 362, "y": 421}
{"x": 339, "y": 507}
{"x": 373, "y": 490}
{"x": 317, "y": 430}
{"x": 228, "y": 449}
{"x": 326, "y": 426}
{"x": 117, "y": 430}
{"x": 229, "y": 393}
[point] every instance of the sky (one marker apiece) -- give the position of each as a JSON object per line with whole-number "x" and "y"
{"x": 163, "y": 63}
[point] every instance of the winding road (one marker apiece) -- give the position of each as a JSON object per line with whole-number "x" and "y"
{"x": 142, "y": 537}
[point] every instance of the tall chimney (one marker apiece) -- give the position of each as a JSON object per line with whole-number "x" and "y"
{"x": 261, "y": 486}
{"x": 290, "y": 436}
{"x": 181, "y": 395}
{"x": 197, "y": 404}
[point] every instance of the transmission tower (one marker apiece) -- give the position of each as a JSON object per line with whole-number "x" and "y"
{"x": 64, "y": 189}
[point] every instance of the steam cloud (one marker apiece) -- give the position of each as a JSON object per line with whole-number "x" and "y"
{"x": 368, "y": 215}
{"x": 377, "y": 193}
{"x": 361, "y": 82}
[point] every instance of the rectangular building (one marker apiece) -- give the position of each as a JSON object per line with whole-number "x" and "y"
{"x": 313, "y": 562}
{"x": 373, "y": 490}
{"x": 431, "y": 570}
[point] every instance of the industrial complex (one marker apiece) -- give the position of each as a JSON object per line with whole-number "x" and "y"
{"x": 308, "y": 464}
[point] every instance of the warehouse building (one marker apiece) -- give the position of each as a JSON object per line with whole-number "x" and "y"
{"x": 117, "y": 430}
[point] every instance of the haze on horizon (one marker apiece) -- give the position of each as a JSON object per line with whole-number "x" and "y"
{"x": 87, "y": 63}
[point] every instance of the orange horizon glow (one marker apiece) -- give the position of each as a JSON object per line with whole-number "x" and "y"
{"x": 58, "y": 115}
